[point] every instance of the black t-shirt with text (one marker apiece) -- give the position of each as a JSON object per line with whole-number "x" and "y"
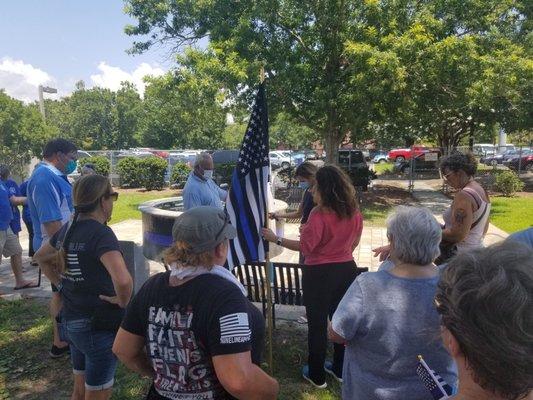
{"x": 85, "y": 277}
{"x": 185, "y": 326}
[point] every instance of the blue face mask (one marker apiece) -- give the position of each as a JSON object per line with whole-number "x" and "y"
{"x": 71, "y": 167}
{"x": 303, "y": 185}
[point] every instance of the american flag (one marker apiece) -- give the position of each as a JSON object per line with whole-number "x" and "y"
{"x": 248, "y": 196}
{"x": 437, "y": 386}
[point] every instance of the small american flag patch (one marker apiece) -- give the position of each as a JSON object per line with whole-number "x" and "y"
{"x": 234, "y": 328}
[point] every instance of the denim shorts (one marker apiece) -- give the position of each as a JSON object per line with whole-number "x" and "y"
{"x": 90, "y": 353}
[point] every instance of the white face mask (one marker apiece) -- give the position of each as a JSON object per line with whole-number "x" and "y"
{"x": 208, "y": 174}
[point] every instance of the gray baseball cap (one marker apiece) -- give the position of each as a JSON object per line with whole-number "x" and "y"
{"x": 203, "y": 228}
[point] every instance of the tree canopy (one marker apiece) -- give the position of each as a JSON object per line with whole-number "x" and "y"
{"x": 433, "y": 69}
{"x": 22, "y": 133}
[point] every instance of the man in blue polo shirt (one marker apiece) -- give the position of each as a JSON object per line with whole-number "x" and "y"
{"x": 9, "y": 242}
{"x": 50, "y": 203}
{"x": 14, "y": 194}
{"x": 200, "y": 189}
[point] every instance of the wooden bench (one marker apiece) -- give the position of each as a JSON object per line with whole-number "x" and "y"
{"x": 286, "y": 286}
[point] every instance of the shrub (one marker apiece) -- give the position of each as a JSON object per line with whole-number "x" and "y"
{"x": 361, "y": 177}
{"x": 179, "y": 174}
{"x": 287, "y": 177}
{"x": 129, "y": 170}
{"x": 153, "y": 172}
{"x": 101, "y": 164}
{"x": 508, "y": 183}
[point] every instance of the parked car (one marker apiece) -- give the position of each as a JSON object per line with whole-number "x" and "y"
{"x": 301, "y": 156}
{"x": 281, "y": 159}
{"x": 351, "y": 159}
{"x": 380, "y": 157}
{"x": 500, "y": 158}
{"x": 484, "y": 150}
{"x": 158, "y": 153}
{"x": 407, "y": 153}
{"x": 354, "y": 163}
{"x": 175, "y": 158}
{"x": 134, "y": 153}
{"x": 420, "y": 164}
{"x": 225, "y": 157}
{"x": 526, "y": 163}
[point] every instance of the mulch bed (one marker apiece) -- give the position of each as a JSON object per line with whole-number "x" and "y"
{"x": 387, "y": 196}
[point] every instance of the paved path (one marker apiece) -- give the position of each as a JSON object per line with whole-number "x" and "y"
{"x": 437, "y": 202}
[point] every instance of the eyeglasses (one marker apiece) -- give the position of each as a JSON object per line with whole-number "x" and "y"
{"x": 113, "y": 195}
{"x": 226, "y": 222}
{"x": 445, "y": 176}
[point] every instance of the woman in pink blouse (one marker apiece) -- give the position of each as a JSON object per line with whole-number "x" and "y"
{"x": 327, "y": 242}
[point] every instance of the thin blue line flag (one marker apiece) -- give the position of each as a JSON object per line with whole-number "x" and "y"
{"x": 247, "y": 200}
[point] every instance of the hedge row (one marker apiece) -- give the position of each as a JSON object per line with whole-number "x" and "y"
{"x": 101, "y": 164}
{"x": 142, "y": 172}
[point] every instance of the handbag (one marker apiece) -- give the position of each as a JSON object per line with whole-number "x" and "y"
{"x": 448, "y": 250}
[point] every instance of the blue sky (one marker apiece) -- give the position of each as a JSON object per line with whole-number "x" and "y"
{"x": 58, "y": 42}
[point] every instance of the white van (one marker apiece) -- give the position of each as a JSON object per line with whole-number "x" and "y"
{"x": 484, "y": 149}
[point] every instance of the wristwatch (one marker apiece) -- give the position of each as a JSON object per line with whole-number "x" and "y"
{"x": 279, "y": 240}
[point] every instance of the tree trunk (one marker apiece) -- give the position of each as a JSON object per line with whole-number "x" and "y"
{"x": 333, "y": 142}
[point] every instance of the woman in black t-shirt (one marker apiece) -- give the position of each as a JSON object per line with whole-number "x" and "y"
{"x": 305, "y": 173}
{"x": 84, "y": 261}
{"x": 192, "y": 329}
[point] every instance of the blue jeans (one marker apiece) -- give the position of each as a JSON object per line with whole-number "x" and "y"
{"x": 90, "y": 353}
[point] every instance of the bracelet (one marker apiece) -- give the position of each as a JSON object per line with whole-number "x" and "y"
{"x": 279, "y": 240}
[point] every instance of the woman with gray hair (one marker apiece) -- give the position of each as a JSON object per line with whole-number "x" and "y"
{"x": 387, "y": 318}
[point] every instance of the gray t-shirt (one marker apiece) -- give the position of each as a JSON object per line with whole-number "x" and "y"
{"x": 388, "y": 321}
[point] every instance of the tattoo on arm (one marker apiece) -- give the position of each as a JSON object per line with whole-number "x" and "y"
{"x": 460, "y": 216}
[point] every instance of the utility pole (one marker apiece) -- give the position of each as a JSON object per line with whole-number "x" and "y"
{"x": 44, "y": 89}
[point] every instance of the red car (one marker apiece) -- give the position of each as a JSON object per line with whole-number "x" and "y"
{"x": 525, "y": 165}
{"x": 158, "y": 153}
{"x": 405, "y": 154}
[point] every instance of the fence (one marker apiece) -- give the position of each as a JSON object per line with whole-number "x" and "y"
{"x": 172, "y": 157}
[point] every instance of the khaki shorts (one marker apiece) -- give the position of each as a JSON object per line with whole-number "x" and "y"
{"x": 9, "y": 243}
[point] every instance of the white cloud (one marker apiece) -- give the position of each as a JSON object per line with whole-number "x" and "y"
{"x": 21, "y": 80}
{"x": 110, "y": 77}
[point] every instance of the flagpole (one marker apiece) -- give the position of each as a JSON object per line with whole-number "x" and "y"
{"x": 269, "y": 277}
{"x": 430, "y": 372}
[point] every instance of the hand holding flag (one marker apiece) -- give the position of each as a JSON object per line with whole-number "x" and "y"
{"x": 437, "y": 386}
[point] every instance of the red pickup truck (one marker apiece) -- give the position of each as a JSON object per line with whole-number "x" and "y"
{"x": 405, "y": 154}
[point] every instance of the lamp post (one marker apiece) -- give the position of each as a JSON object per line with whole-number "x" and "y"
{"x": 44, "y": 89}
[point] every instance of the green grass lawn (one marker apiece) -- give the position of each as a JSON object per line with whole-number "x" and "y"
{"x": 511, "y": 213}
{"x": 27, "y": 372}
{"x": 375, "y": 214}
{"x": 128, "y": 202}
{"x": 383, "y": 168}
